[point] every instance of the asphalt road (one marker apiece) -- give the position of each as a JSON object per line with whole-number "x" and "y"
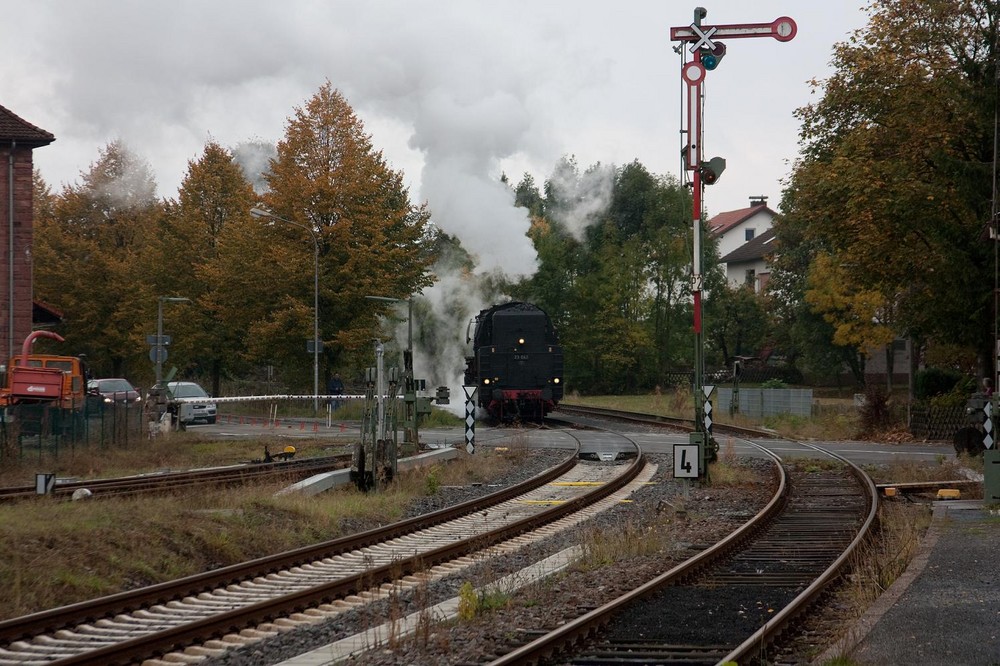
{"x": 856, "y": 451}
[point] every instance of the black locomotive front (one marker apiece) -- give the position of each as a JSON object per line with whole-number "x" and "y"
{"x": 516, "y": 362}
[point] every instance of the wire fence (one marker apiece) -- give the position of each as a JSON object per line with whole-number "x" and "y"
{"x": 48, "y": 430}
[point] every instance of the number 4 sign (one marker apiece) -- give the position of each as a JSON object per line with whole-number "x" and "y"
{"x": 685, "y": 461}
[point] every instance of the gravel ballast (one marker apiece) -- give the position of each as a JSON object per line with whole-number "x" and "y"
{"x": 666, "y": 522}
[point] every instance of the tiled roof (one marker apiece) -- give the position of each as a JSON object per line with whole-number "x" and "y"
{"x": 723, "y": 222}
{"x": 15, "y": 128}
{"x": 43, "y": 313}
{"x": 757, "y": 248}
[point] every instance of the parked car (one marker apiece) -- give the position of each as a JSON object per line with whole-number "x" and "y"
{"x": 201, "y": 410}
{"x": 112, "y": 391}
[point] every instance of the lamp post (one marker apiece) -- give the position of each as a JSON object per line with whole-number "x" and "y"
{"x": 259, "y": 212}
{"x": 159, "y": 332}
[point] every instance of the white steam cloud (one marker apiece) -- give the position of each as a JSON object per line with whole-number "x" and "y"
{"x": 584, "y": 197}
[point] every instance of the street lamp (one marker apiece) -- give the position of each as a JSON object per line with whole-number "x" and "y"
{"x": 266, "y": 214}
{"x": 160, "y": 351}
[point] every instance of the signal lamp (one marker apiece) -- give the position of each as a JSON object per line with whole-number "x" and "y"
{"x": 710, "y": 58}
{"x": 712, "y": 170}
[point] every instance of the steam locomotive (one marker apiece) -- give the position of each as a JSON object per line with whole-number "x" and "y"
{"x": 516, "y": 362}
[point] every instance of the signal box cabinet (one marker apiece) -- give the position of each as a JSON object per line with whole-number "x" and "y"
{"x": 991, "y": 476}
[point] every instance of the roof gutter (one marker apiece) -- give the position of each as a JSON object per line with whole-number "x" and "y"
{"x": 10, "y": 248}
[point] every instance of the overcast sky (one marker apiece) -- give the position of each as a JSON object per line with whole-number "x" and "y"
{"x": 453, "y": 92}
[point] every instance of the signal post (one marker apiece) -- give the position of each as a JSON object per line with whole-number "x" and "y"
{"x": 707, "y": 52}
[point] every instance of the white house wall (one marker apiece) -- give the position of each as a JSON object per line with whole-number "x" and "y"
{"x": 736, "y": 236}
{"x": 736, "y": 272}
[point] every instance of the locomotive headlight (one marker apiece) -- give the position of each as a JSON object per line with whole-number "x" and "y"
{"x": 520, "y": 341}
{"x": 486, "y": 380}
{"x": 555, "y": 380}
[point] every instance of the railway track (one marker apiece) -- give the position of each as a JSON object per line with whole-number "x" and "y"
{"x": 686, "y": 425}
{"x": 729, "y": 602}
{"x": 201, "y": 610}
{"x": 169, "y": 481}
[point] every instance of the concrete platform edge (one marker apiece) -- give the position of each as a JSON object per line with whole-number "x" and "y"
{"x": 322, "y": 482}
{"x": 846, "y": 645}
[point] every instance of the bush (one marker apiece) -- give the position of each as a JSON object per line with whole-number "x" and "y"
{"x": 956, "y": 397}
{"x": 931, "y": 382}
{"x": 876, "y": 415}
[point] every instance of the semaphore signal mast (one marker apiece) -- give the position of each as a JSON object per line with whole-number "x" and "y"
{"x": 707, "y": 52}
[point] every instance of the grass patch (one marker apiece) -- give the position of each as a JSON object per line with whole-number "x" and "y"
{"x": 440, "y": 418}
{"x": 834, "y": 422}
{"x": 913, "y": 471}
{"x": 603, "y": 546}
{"x": 879, "y": 561}
{"x": 57, "y": 553}
{"x": 179, "y": 451}
{"x": 472, "y": 603}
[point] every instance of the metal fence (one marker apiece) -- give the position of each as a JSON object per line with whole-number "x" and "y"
{"x": 931, "y": 422}
{"x": 43, "y": 431}
{"x": 761, "y": 402}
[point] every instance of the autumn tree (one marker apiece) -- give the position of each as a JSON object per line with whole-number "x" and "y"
{"x": 802, "y": 335}
{"x": 862, "y": 318}
{"x": 212, "y": 210}
{"x": 88, "y": 249}
{"x": 894, "y": 184}
{"x": 328, "y": 178}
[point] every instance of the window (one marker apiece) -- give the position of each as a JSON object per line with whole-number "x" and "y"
{"x": 750, "y": 233}
{"x": 751, "y": 278}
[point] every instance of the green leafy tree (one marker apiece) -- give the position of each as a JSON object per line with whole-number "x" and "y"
{"x": 526, "y": 195}
{"x": 553, "y": 285}
{"x": 739, "y": 323}
{"x": 614, "y": 273}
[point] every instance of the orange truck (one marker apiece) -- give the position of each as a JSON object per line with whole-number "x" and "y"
{"x": 45, "y": 378}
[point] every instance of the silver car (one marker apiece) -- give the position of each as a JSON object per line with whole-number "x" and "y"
{"x": 201, "y": 410}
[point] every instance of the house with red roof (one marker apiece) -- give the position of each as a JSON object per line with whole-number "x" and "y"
{"x": 737, "y": 227}
{"x": 745, "y": 238}
{"x": 18, "y": 140}
{"x": 749, "y": 264}
{"x": 747, "y": 244}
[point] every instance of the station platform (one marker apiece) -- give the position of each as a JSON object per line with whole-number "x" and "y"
{"x": 945, "y": 608}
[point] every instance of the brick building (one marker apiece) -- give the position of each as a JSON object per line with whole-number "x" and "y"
{"x": 18, "y": 140}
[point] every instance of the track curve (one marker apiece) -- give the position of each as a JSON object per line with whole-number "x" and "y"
{"x": 761, "y": 577}
{"x": 137, "y": 625}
